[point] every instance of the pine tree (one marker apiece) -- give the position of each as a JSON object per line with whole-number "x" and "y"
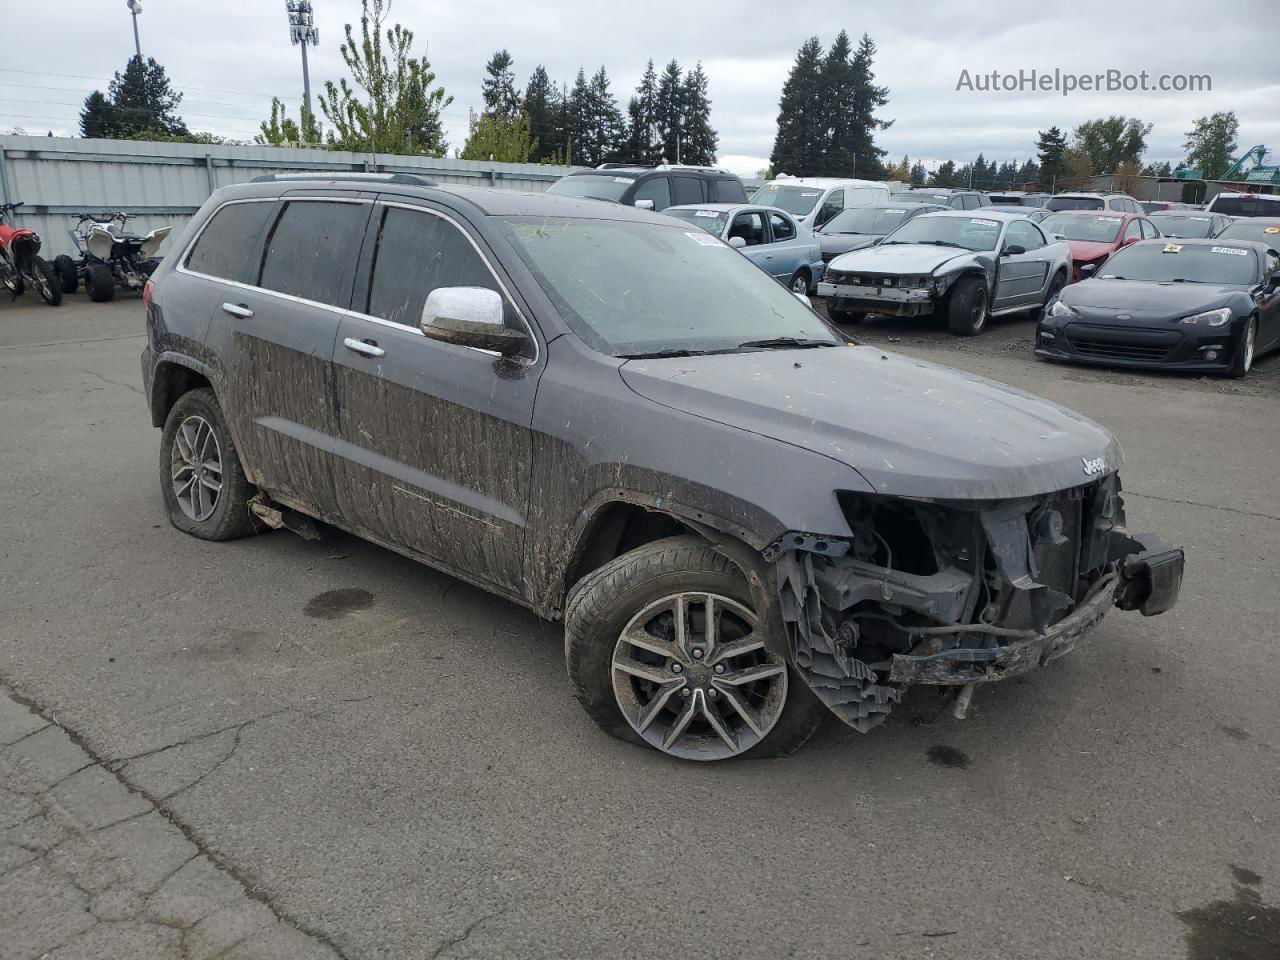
{"x": 139, "y": 101}
{"x": 700, "y": 138}
{"x": 642, "y": 141}
{"x": 499, "y": 87}
{"x": 669, "y": 113}
{"x": 919, "y": 176}
{"x": 608, "y": 127}
{"x": 945, "y": 175}
{"x": 838, "y": 109}
{"x": 867, "y": 99}
{"x": 980, "y": 174}
{"x": 798, "y": 144}
{"x": 539, "y": 107}
{"x": 1051, "y": 147}
{"x": 580, "y": 121}
{"x": 1028, "y": 173}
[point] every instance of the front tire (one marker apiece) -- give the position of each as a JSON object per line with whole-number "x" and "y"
{"x": 68, "y": 275}
{"x": 842, "y": 315}
{"x": 1242, "y": 363}
{"x": 648, "y": 668}
{"x": 48, "y": 283}
{"x": 201, "y": 480}
{"x": 967, "y": 311}
{"x": 100, "y": 282}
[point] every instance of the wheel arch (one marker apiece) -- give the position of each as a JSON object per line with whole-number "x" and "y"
{"x": 175, "y": 374}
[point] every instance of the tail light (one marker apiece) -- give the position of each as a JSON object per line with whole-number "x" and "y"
{"x": 147, "y": 291}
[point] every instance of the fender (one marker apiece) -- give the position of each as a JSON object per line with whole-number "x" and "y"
{"x": 157, "y": 386}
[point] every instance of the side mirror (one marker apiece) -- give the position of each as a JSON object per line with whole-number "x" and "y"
{"x": 644, "y": 204}
{"x": 1088, "y": 269}
{"x": 803, "y": 298}
{"x": 1128, "y": 240}
{"x": 469, "y": 317}
{"x": 1273, "y": 284}
{"x": 1060, "y": 236}
{"x": 1012, "y": 250}
{"x": 737, "y": 243}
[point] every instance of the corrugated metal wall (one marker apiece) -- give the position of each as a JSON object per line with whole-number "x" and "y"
{"x": 164, "y": 183}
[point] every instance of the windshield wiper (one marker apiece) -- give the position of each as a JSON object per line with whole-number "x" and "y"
{"x": 660, "y": 354}
{"x": 943, "y": 243}
{"x": 799, "y": 343}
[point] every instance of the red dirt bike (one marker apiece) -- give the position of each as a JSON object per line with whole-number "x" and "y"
{"x": 20, "y": 261}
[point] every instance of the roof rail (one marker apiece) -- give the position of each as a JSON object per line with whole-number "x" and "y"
{"x": 411, "y": 179}
{"x": 614, "y": 165}
{"x": 690, "y": 166}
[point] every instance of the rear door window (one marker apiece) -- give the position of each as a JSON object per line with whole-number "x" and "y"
{"x": 417, "y": 252}
{"x": 687, "y": 190}
{"x": 658, "y": 190}
{"x": 224, "y": 248}
{"x": 313, "y": 249}
{"x": 783, "y": 228}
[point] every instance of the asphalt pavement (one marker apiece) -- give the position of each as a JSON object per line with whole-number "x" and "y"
{"x": 279, "y": 748}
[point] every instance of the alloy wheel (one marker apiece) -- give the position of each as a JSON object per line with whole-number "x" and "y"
{"x": 800, "y": 284}
{"x": 1250, "y": 338}
{"x": 692, "y": 676}
{"x": 196, "y": 461}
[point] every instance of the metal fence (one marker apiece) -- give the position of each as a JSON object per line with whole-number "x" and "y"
{"x": 165, "y": 183}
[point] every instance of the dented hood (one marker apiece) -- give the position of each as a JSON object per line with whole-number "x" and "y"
{"x": 909, "y": 427}
{"x": 898, "y": 258}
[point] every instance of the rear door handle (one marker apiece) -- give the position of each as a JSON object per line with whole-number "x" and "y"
{"x": 237, "y": 310}
{"x": 365, "y": 348}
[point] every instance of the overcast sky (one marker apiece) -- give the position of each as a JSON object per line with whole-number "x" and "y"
{"x": 229, "y": 58}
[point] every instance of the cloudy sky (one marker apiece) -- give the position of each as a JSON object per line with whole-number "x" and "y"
{"x": 229, "y": 58}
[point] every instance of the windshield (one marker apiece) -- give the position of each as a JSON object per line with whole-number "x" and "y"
{"x": 1074, "y": 203}
{"x": 876, "y": 221}
{"x": 1268, "y": 232}
{"x": 942, "y": 198}
{"x": 797, "y": 200}
{"x": 592, "y": 187}
{"x": 971, "y": 233}
{"x": 712, "y": 221}
{"x": 1090, "y": 229}
{"x": 1166, "y": 262}
{"x": 631, "y": 288}
{"x": 1188, "y": 226}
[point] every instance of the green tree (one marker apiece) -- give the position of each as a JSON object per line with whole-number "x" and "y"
{"x": 700, "y": 139}
{"x": 140, "y": 99}
{"x": 945, "y": 175}
{"x": 1110, "y": 141}
{"x": 1029, "y": 173}
{"x": 799, "y": 143}
{"x": 400, "y": 109}
{"x": 1163, "y": 169}
{"x": 980, "y": 174}
{"x": 1051, "y": 147}
{"x": 282, "y": 129}
{"x": 643, "y": 145}
{"x": 669, "y": 112}
{"x": 1210, "y": 143}
{"x": 499, "y": 86}
{"x": 919, "y": 176}
{"x": 498, "y": 137}
{"x": 540, "y": 107}
{"x": 867, "y": 99}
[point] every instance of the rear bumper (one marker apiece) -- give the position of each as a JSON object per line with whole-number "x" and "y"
{"x": 1148, "y": 581}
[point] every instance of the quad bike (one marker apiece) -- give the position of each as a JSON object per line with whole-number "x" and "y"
{"x": 20, "y": 261}
{"x": 109, "y": 256}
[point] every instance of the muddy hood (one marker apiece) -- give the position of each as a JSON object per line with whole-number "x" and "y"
{"x": 910, "y": 428}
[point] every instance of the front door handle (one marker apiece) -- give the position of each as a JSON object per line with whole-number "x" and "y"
{"x": 237, "y": 310}
{"x": 366, "y": 348}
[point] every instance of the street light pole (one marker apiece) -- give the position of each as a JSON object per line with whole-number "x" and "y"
{"x": 135, "y": 8}
{"x": 303, "y": 33}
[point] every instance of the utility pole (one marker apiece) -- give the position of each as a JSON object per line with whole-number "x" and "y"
{"x": 135, "y": 8}
{"x": 303, "y": 33}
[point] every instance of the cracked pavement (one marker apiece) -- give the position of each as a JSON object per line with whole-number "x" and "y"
{"x": 201, "y": 755}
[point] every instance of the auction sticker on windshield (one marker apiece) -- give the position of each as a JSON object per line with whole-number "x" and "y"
{"x": 1173, "y": 248}
{"x": 705, "y": 239}
{"x": 984, "y": 223}
{"x": 1271, "y": 229}
{"x": 1232, "y": 250}
{"x": 705, "y": 213}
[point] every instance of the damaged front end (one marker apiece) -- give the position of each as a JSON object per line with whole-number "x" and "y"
{"x": 959, "y": 592}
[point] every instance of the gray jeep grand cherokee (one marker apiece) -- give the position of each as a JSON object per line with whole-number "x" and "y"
{"x": 744, "y": 519}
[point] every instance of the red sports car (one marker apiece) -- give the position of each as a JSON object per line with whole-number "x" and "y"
{"x": 1094, "y": 235}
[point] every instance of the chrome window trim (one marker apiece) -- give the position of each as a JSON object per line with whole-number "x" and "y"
{"x": 354, "y": 314}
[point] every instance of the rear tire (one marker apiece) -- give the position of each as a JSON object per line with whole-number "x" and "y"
{"x": 68, "y": 275}
{"x": 1242, "y": 363}
{"x": 100, "y": 282}
{"x": 799, "y": 282}
{"x": 195, "y": 435}
{"x": 968, "y": 310}
{"x": 603, "y": 605}
{"x": 49, "y": 284}
{"x": 843, "y": 315}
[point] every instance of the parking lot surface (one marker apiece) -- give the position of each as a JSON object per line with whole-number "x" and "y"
{"x": 323, "y": 749}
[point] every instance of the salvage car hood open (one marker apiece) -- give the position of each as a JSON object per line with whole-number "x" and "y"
{"x": 910, "y": 428}
{"x": 897, "y": 258}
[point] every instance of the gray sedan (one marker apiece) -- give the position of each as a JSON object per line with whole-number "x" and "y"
{"x": 771, "y": 239}
{"x": 970, "y": 265}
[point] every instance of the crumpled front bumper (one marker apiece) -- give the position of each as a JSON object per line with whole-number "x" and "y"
{"x": 1148, "y": 581}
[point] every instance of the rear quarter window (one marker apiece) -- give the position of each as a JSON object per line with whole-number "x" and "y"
{"x": 224, "y": 246}
{"x": 729, "y": 191}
